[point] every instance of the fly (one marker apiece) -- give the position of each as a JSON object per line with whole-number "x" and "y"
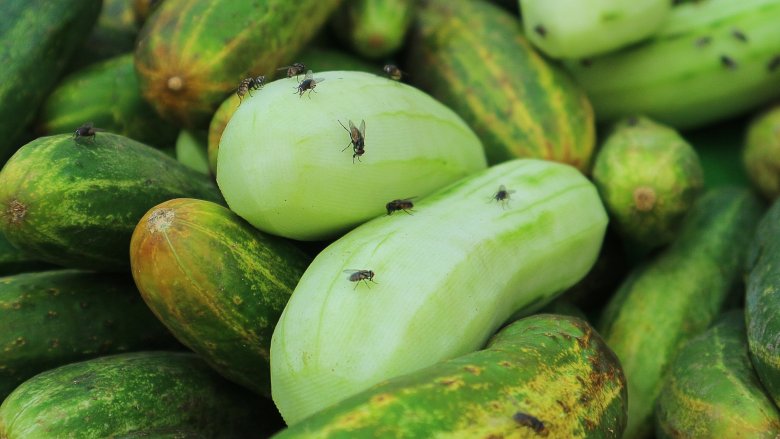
{"x": 85, "y": 130}
{"x": 502, "y": 195}
{"x": 294, "y": 69}
{"x": 406, "y": 205}
{"x": 357, "y": 139}
{"x": 393, "y": 72}
{"x": 358, "y": 276}
{"x": 249, "y": 84}
{"x": 308, "y": 83}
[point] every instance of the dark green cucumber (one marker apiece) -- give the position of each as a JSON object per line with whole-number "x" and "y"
{"x": 75, "y": 202}
{"x": 192, "y": 53}
{"x": 648, "y": 177}
{"x": 106, "y": 94}
{"x": 114, "y": 34}
{"x": 712, "y": 391}
{"x": 762, "y": 301}
{"x": 542, "y": 376}
{"x": 761, "y": 152}
{"x": 676, "y": 295}
{"x": 374, "y": 28}
{"x": 720, "y": 160}
{"x": 473, "y": 57}
{"x": 37, "y": 38}
{"x": 13, "y": 261}
{"x": 217, "y": 283}
{"x": 133, "y": 394}
{"x": 56, "y": 317}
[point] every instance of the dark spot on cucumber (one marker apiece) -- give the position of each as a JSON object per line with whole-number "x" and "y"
{"x": 774, "y": 64}
{"x": 54, "y": 343}
{"x": 644, "y": 198}
{"x": 728, "y": 62}
{"x": 84, "y": 305}
{"x": 505, "y": 363}
{"x": 564, "y": 407}
{"x": 474, "y": 370}
{"x": 531, "y": 422}
{"x": 703, "y": 41}
{"x": 52, "y": 315}
{"x": 739, "y": 35}
{"x": 632, "y": 121}
{"x": 541, "y": 30}
{"x": 16, "y": 211}
{"x": 589, "y": 425}
{"x": 586, "y": 62}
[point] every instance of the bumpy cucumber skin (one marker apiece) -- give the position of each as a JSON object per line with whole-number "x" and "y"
{"x": 648, "y": 177}
{"x": 217, "y": 283}
{"x": 577, "y": 29}
{"x": 668, "y": 300}
{"x": 761, "y": 153}
{"x": 56, "y": 317}
{"x": 122, "y": 394}
{"x": 554, "y": 368}
{"x": 374, "y": 28}
{"x": 317, "y": 58}
{"x": 192, "y": 53}
{"x": 107, "y": 95}
{"x": 472, "y": 56}
{"x": 76, "y": 203}
{"x": 712, "y": 391}
{"x": 711, "y": 60}
{"x": 761, "y": 301}
{"x": 447, "y": 276}
{"x": 37, "y": 38}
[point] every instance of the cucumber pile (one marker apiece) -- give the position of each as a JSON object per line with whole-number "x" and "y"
{"x": 389, "y": 219}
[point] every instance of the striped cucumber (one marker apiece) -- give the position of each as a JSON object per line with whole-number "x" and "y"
{"x": 114, "y": 34}
{"x": 106, "y": 94}
{"x": 580, "y": 29}
{"x": 542, "y": 376}
{"x": 712, "y": 391}
{"x": 75, "y": 202}
{"x": 436, "y": 284}
{"x": 761, "y": 152}
{"x": 192, "y": 53}
{"x": 762, "y": 301}
{"x": 473, "y": 57}
{"x": 374, "y": 28}
{"x": 321, "y": 178}
{"x": 37, "y": 38}
{"x": 712, "y": 59}
{"x": 648, "y": 177}
{"x": 675, "y": 296}
{"x": 141, "y": 394}
{"x": 56, "y": 317}
{"x": 216, "y": 282}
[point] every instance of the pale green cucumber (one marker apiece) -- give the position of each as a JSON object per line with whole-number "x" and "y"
{"x": 287, "y": 165}
{"x": 446, "y": 277}
{"x": 712, "y": 59}
{"x": 191, "y": 150}
{"x": 582, "y": 28}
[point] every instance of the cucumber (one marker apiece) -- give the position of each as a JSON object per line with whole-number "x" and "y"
{"x": 56, "y": 317}
{"x": 216, "y": 282}
{"x": 75, "y": 202}
{"x": 192, "y": 53}
{"x": 441, "y": 281}
{"x": 192, "y": 150}
{"x": 319, "y": 184}
{"x": 676, "y": 295}
{"x": 720, "y": 160}
{"x": 762, "y": 299}
{"x": 14, "y": 261}
{"x": 37, "y": 38}
{"x": 580, "y": 29}
{"x": 542, "y": 376}
{"x": 374, "y": 29}
{"x": 473, "y": 57}
{"x": 124, "y": 394}
{"x": 106, "y": 94}
{"x": 711, "y": 60}
{"x": 761, "y": 152}
{"x": 712, "y": 391}
{"x": 114, "y": 34}
{"x": 648, "y": 177}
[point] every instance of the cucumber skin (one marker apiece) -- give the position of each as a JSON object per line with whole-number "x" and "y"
{"x": 761, "y": 152}
{"x": 107, "y": 94}
{"x": 374, "y": 29}
{"x": 124, "y": 394}
{"x": 427, "y": 288}
{"x": 646, "y": 326}
{"x": 712, "y": 391}
{"x": 555, "y": 368}
{"x": 473, "y": 57}
{"x": 37, "y": 38}
{"x": 76, "y": 203}
{"x": 13, "y": 261}
{"x": 762, "y": 297}
{"x": 217, "y": 283}
{"x": 211, "y": 45}
{"x": 56, "y": 317}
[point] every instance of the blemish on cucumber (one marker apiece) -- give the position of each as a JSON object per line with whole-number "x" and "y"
{"x": 160, "y": 220}
{"x": 16, "y": 211}
{"x": 541, "y": 30}
{"x": 175, "y": 83}
{"x": 703, "y": 41}
{"x": 728, "y": 62}
{"x": 644, "y": 198}
{"x": 531, "y": 422}
{"x": 739, "y": 35}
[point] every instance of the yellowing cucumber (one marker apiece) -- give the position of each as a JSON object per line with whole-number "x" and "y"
{"x": 437, "y": 282}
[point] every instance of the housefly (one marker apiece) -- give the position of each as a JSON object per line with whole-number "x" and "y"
{"x": 249, "y": 84}
{"x": 393, "y": 72}
{"x": 85, "y": 130}
{"x": 502, "y": 195}
{"x": 357, "y": 139}
{"x": 308, "y": 83}
{"x": 358, "y": 276}
{"x": 406, "y": 205}
{"x": 294, "y": 69}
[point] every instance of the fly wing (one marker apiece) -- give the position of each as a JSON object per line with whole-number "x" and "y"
{"x": 309, "y": 75}
{"x": 363, "y": 128}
